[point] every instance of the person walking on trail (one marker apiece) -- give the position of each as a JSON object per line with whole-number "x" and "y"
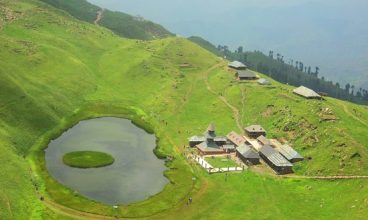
{"x": 190, "y": 200}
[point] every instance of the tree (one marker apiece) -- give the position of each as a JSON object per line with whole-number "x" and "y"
{"x": 271, "y": 54}
{"x": 347, "y": 88}
{"x": 359, "y": 94}
{"x": 240, "y": 49}
{"x": 293, "y": 74}
{"x": 352, "y": 89}
{"x": 316, "y": 72}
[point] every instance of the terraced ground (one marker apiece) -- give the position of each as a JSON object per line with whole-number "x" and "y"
{"x": 56, "y": 70}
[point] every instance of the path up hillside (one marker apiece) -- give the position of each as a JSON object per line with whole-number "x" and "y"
{"x": 120, "y": 23}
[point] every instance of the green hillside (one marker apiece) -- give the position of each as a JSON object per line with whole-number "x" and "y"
{"x": 56, "y": 70}
{"x": 287, "y": 73}
{"x": 122, "y": 24}
{"x": 206, "y": 45}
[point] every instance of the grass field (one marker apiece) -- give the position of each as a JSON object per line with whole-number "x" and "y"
{"x": 120, "y": 23}
{"x": 220, "y": 162}
{"x": 56, "y": 71}
{"x": 87, "y": 159}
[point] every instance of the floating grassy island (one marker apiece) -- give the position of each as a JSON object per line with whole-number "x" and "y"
{"x": 88, "y": 159}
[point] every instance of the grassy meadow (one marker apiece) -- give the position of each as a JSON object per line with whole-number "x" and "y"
{"x": 221, "y": 162}
{"x": 88, "y": 159}
{"x": 56, "y": 71}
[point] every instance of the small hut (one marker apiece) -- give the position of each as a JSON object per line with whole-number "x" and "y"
{"x": 228, "y": 148}
{"x": 195, "y": 140}
{"x": 306, "y": 93}
{"x": 209, "y": 143}
{"x": 274, "y": 159}
{"x": 264, "y": 82}
{"x": 237, "y": 65}
{"x": 247, "y": 155}
{"x": 235, "y": 138}
{"x": 246, "y": 75}
{"x": 254, "y": 131}
{"x": 289, "y": 153}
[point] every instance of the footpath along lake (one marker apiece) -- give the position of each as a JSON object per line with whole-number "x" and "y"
{"x": 135, "y": 175}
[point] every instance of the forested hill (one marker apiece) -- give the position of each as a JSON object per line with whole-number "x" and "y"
{"x": 122, "y": 24}
{"x": 288, "y": 73}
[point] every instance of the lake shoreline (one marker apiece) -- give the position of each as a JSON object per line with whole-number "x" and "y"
{"x": 42, "y": 180}
{"x": 135, "y": 174}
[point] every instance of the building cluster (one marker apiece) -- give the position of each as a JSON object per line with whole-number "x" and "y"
{"x": 243, "y": 73}
{"x": 254, "y": 146}
{"x": 251, "y": 148}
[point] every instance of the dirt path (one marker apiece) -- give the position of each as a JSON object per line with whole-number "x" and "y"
{"x": 187, "y": 94}
{"x": 237, "y": 117}
{"x": 235, "y": 111}
{"x": 65, "y": 211}
{"x": 99, "y": 16}
{"x": 325, "y": 177}
{"x": 348, "y": 112}
{"x": 267, "y": 171}
{"x": 242, "y": 90}
{"x": 208, "y": 72}
{"x": 8, "y": 205}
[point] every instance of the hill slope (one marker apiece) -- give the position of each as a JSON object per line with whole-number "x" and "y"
{"x": 286, "y": 73}
{"x": 206, "y": 45}
{"x": 122, "y": 24}
{"x": 55, "y": 70}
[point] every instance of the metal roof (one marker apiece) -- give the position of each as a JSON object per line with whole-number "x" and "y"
{"x": 237, "y": 65}
{"x": 274, "y": 157}
{"x": 255, "y": 128}
{"x": 228, "y": 146}
{"x": 209, "y": 147}
{"x": 254, "y": 143}
{"x": 207, "y": 136}
{"x": 197, "y": 139}
{"x": 246, "y": 74}
{"x": 220, "y": 139}
{"x": 288, "y": 152}
{"x": 275, "y": 143}
{"x": 247, "y": 152}
{"x": 263, "y": 81}
{"x": 235, "y": 138}
{"x": 264, "y": 140}
{"x": 306, "y": 92}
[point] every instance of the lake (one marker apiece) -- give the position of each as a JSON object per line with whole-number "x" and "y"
{"x": 135, "y": 175}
